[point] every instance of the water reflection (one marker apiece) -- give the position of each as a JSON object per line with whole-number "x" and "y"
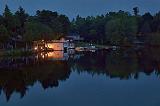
{"x": 20, "y": 73}
{"x": 56, "y": 55}
{"x": 18, "y": 78}
{"x": 123, "y": 64}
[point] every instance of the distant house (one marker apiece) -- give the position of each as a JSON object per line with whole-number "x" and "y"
{"x": 74, "y": 37}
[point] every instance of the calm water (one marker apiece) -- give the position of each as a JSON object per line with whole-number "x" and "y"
{"x": 125, "y": 77}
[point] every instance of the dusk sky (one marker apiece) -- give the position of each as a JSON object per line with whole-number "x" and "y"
{"x": 72, "y": 8}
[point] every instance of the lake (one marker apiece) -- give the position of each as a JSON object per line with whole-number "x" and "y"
{"x": 122, "y": 77}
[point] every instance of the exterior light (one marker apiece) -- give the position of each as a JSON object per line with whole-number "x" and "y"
{"x": 43, "y": 56}
{"x": 35, "y": 48}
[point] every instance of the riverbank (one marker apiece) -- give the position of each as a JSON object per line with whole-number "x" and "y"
{"x": 99, "y": 46}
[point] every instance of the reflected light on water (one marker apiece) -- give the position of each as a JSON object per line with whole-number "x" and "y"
{"x": 55, "y": 55}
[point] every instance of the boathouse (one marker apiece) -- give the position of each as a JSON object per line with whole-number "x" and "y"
{"x": 53, "y": 45}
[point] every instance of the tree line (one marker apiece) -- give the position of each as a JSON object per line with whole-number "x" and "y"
{"x": 116, "y": 28}
{"x": 119, "y": 27}
{"x": 20, "y": 25}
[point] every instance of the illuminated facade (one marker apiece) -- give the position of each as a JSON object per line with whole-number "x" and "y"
{"x": 53, "y": 45}
{"x": 57, "y": 46}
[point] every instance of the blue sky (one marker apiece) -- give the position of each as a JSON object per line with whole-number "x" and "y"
{"x": 84, "y": 8}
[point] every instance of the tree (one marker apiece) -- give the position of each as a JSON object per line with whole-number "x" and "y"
{"x": 136, "y": 11}
{"x": 1, "y": 20}
{"x": 46, "y": 16}
{"x": 146, "y": 23}
{"x": 9, "y": 20}
{"x": 156, "y": 23}
{"x": 38, "y": 31}
{"x": 58, "y": 23}
{"x": 114, "y": 32}
{"x": 147, "y": 17}
{"x": 65, "y": 24}
{"x": 121, "y": 28}
{"x": 21, "y": 17}
{"x": 80, "y": 25}
{"x": 91, "y": 28}
{"x": 4, "y": 35}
